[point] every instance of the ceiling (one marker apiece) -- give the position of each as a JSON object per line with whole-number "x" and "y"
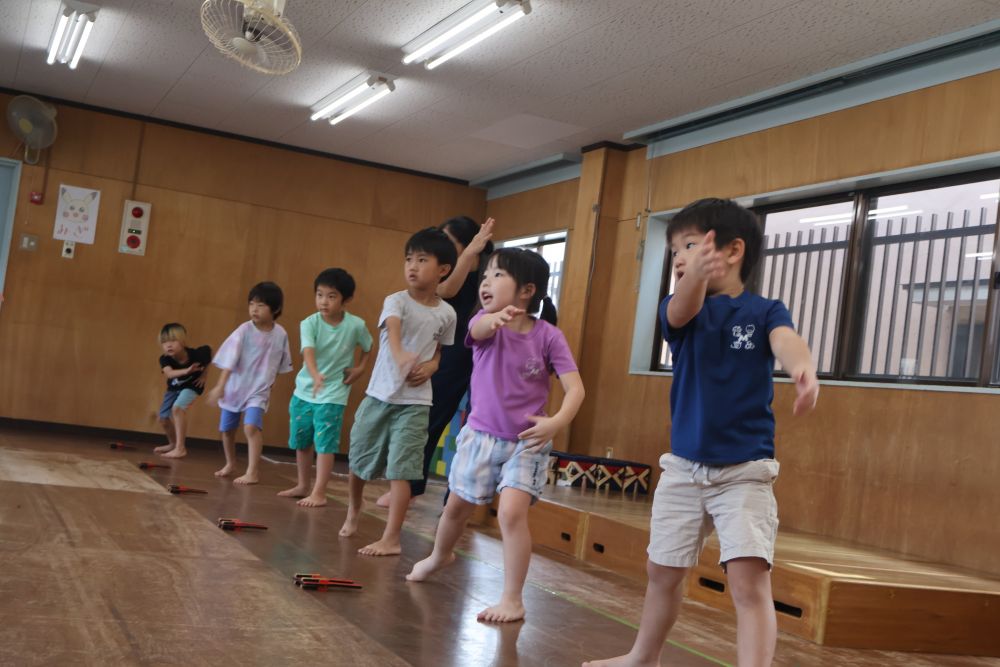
{"x": 572, "y": 73}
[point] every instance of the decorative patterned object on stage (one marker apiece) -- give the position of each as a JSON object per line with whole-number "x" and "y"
{"x": 599, "y": 473}
{"x": 445, "y": 451}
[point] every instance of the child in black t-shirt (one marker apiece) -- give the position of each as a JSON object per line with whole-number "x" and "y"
{"x": 184, "y": 368}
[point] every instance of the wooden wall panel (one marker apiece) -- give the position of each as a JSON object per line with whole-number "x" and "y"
{"x": 929, "y": 125}
{"x": 80, "y": 336}
{"x": 909, "y": 471}
{"x": 547, "y": 209}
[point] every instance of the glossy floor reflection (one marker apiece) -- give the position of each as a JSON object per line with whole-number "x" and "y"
{"x": 120, "y": 572}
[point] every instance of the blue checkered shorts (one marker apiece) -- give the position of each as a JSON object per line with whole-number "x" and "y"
{"x": 485, "y": 465}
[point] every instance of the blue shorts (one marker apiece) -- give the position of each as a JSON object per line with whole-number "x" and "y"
{"x": 485, "y": 465}
{"x": 176, "y": 399}
{"x": 251, "y": 417}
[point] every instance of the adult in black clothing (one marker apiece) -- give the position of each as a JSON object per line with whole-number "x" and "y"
{"x": 461, "y": 290}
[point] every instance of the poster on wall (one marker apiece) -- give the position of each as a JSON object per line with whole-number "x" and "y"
{"x": 76, "y": 214}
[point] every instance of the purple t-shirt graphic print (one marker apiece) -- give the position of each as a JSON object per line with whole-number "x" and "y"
{"x": 510, "y": 376}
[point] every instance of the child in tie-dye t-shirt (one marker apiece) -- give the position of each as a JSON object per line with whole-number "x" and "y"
{"x": 250, "y": 359}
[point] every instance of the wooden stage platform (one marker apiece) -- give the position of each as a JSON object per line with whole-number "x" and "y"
{"x": 832, "y": 593}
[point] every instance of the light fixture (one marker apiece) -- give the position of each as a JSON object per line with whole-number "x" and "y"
{"x": 990, "y": 195}
{"x": 71, "y": 32}
{"x": 888, "y": 209}
{"x": 359, "y": 93}
{"x": 458, "y": 33}
{"x": 979, "y": 256}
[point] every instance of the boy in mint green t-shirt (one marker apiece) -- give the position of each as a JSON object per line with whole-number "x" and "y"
{"x": 329, "y": 338}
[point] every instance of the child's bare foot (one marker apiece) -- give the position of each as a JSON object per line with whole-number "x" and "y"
{"x": 350, "y": 523}
{"x": 505, "y": 612}
{"x": 175, "y": 453}
{"x": 621, "y": 661}
{"x": 224, "y": 471}
{"x": 246, "y": 478}
{"x": 429, "y": 566}
{"x": 163, "y": 449}
{"x": 313, "y": 501}
{"x": 381, "y": 548}
{"x": 298, "y": 491}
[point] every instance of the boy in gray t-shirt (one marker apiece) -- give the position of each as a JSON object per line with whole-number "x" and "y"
{"x": 390, "y": 425}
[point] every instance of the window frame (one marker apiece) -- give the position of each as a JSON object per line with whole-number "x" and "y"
{"x": 859, "y": 260}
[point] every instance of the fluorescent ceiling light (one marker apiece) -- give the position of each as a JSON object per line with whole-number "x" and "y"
{"x": 71, "y": 32}
{"x": 979, "y": 255}
{"x": 990, "y": 195}
{"x": 467, "y": 27}
{"x": 359, "y": 93}
{"x": 841, "y": 221}
{"x": 384, "y": 90}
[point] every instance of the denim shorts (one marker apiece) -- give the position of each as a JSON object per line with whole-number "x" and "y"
{"x": 176, "y": 399}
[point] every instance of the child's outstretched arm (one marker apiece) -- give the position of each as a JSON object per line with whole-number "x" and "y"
{"x": 352, "y": 374}
{"x": 795, "y": 357}
{"x": 689, "y": 294}
{"x": 546, "y": 428}
{"x": 487, "y": 325}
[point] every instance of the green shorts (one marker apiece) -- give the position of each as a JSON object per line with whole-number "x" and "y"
{"x": 315, "y": 423}
{"x": 387, "y": 440}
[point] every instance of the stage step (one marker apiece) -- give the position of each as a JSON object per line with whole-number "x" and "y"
{"x": 829, "y": 592}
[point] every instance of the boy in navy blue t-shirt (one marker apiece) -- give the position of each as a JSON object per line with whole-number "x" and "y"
{"x": 721, "y": 468}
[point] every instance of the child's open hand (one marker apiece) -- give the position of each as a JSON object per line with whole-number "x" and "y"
{"x": 807, "y": 388}
{"x": 502, "y": 318}
{"x": 544, "y": 430}
{"x": 318, "y": 382}
{"x": 215, "y": 395}
{"x": 478, "y": 242}
{"x": 199, "y": 382}
{"x": 351, "y": 375}
{"x": 406, "y": 361}
{"x": 193, "y": 368}
{"x": 707, "y": 263}
{"x": 421, "y": 373}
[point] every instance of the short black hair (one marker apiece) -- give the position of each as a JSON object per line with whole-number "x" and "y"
{"x": 729, "y": 221}
{"x": 270, "y": 294}
{"x": 433, "y": 242}
{"x": 338, "y": 279}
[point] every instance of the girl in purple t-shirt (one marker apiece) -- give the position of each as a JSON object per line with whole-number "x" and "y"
{"x": 505, "y": 445}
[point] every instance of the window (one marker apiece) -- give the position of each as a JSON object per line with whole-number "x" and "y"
{"x": 889, "y": 284}
{"x": 927, "y": 280}
{"x": 553, "y": 248}
{"x": 802, "y": 264}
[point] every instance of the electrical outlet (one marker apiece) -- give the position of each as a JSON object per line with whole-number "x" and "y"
{"x": 69, "y": 250}
{"x": 29, "y": 242}
{"x": 609, "y": 452}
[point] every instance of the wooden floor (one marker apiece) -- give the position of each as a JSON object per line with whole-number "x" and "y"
{"x": 101, "y": 566}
